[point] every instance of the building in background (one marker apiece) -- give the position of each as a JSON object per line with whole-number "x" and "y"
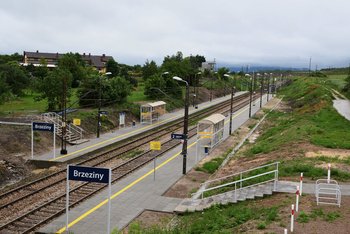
{"x": 209, "y": 65}
{"x": 34, "y": 58}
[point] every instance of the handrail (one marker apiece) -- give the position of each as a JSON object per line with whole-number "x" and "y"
{"x": 238, "y": 173}
{"x": 330, "y": 190}
{"x": 54, "y": 117}
{"x": 275, "y": 179}
{"x": 240, "y": 180}
{"x": 326, "y": 180}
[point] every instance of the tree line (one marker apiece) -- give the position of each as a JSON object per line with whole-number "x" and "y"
{"x": 91, "y": 86}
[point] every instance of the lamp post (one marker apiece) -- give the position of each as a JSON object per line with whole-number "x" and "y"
{"x": 185, "y": 131}
{"x": 251, "y": 93}
{"x": 268, "y": 86}
{"x": 261, "y": 87}
{"x": 274, "y": 86}
{"x": 233, "y": 90}
{"x": 99, "y": 106}
{"x": 64, "y": 117}
{"x": 195, "y": 91}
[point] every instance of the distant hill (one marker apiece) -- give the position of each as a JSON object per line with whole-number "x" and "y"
{"x": 257, "y": 68}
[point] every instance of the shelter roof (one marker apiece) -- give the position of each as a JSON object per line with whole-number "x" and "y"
{"x": 213, "y": 119}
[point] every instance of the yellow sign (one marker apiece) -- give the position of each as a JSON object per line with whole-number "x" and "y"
{"x": 205, "y": 133}
{"x": 203, "y": 137}
{"x": 155, "y": 145}
{"x": 76, "y": 122}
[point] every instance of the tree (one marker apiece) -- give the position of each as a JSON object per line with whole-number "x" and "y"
{"x": 75, "y": 65}
{"x": 5, "y": 90}
{"x": 222, "y": 71}
{"x": 149, "y": 69}
{"x": 116, "y": 90}
{"x": 15, "y": 78}
{"x": 113, "y": 67}
{"x": 157, "y": 85}
{"x": 113, "y": 90}
{"x": 11, "y": 58}
{"x": 51, "y": 88}
{"x": 41, "y": 71}
{"x": 196, "y": 61}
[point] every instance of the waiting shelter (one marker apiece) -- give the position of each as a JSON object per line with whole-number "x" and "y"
{"x": 151, "y": 112}
{"x": 210, "y": 132}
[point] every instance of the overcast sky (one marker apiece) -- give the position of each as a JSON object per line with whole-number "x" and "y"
{"x": 265, "y": 32}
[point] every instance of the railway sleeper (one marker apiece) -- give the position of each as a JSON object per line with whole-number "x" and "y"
{"x": 11, "y": 229}
{"x": 24, "y": 224}
{"x": 46, "y": 211}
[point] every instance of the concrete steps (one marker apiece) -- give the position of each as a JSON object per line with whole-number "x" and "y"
{"x": 74, "y": 134}
{"x": 189, "y": 204}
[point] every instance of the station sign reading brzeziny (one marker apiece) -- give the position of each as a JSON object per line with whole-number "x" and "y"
{"x": 88, "y": 174}
{"x": 48, "y": 127}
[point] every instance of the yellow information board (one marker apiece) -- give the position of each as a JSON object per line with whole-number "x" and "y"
{"x": 76, "y": 122}
{"x": 155, "y": 145}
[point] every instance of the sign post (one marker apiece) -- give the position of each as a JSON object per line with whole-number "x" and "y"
{"x": 44, "y": 127}
{"x": 155, "y": 145}
{"x": 89, "y": 174}
{"x": 178, "y": 136}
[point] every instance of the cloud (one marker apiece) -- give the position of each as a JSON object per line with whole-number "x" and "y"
{"x": 270, "y": 32}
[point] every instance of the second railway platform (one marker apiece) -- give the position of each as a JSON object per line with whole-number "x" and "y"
{"x": 105, "y": 139}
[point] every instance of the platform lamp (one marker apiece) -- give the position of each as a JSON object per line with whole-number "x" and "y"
{"x": 164, "y": 73}
{"x": 251, "y": 93}
{"x": 99, "y": 106}
{"x": 64, "y": 117}
{"x": 233, "y": 90}
{"x": 195, "y": 91}
{"x": 185, "y": 131}
{"x": 261, "y": 87}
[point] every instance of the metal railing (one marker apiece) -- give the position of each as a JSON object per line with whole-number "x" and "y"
{"x": 72, "y": 130}
{"x": 238, "y": 184}
{"x": 328, "y": 192}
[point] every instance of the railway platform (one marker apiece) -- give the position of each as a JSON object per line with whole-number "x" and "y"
{"x": 140, "y": 191}
{"x": 105, "y": 139}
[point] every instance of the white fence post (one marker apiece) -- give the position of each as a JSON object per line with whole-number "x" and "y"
{"x": 329, "y": 173}
{"x": 292, "y": 219}
{"x": 297, "y": 200}
{"x": 301, "y": 183}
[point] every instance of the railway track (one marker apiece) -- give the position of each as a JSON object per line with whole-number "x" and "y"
{"x": 28, "y": 220}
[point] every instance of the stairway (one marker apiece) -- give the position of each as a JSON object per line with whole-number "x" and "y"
{"x": 74, "y": 134}
{"x": 260, "y": 190}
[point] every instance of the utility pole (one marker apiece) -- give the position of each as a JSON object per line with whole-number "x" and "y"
{"x": 64, "y": 117}
{"x": 99, "y": 109}
{"x": 310, "y": 66}
{"x": 185, "y": 131}
{"x": 261, "y": 89}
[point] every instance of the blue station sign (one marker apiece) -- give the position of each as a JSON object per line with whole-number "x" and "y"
{"x": 178, "y": 136}
{"x": 88, "y": 174}
{"x": 47, "y": 127}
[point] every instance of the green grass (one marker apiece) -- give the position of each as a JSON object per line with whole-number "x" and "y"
{"x": 337, "y": 80}
{"x": 305, "y": 217}
{"x": 218, "y": 219}
{"x": 25, "y": 104}
{"x": 137, "y": 94}
{"x": 211, "y": 166}
{"x": 313, "y": 120}
{"x": 309, "y": 167}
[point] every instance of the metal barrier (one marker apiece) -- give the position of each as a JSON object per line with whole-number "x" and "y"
{"x": 73, "y": 133}
{"x": 328, "y": 192}
{"x": 239, "y": 183}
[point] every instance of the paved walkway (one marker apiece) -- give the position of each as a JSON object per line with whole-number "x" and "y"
{"x": 138, "y": 191}
{"x": 122, "y": 133}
